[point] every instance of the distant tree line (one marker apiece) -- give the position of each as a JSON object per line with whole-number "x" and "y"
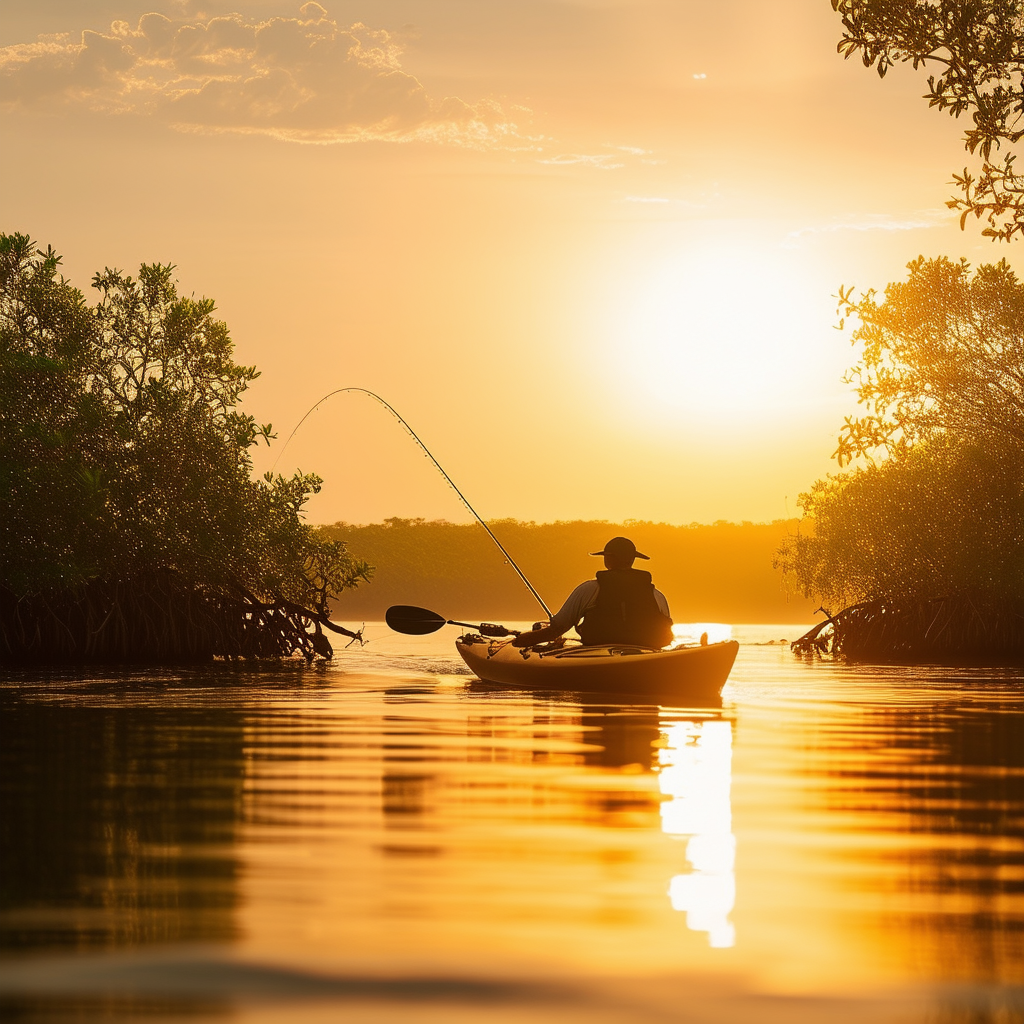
{"x": 720, "y": 572}
{"x": 130, "y": 526}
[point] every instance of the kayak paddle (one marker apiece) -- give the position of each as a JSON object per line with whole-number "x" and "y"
{"x": 406, "y": 618}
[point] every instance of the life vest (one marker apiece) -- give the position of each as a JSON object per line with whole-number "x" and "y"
{"x": 625, "y": 612}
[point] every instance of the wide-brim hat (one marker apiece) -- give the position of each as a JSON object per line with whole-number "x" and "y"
{"x": 621, "y": 547}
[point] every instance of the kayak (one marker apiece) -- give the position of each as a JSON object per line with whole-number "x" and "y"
{"x": 688, "y": 675}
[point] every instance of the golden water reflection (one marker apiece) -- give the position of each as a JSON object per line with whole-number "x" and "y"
{"x": 829, "y": 829}
{"x": 694, "y": 767}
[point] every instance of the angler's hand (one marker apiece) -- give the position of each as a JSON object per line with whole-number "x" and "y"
{"x": 536, "y": 636}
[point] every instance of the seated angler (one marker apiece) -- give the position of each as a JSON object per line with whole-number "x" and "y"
{"x": 620, "y": 606}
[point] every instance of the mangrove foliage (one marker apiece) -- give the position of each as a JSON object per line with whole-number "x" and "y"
{"x": 130, "y": 525}
{"x": 921, "y": 539}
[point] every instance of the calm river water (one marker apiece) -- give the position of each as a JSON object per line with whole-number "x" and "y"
{"x": 387, "y": 839}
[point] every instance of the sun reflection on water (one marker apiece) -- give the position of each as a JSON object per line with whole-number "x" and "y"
{"x": 694, "y": 767}
{"x": 690, "y": 632}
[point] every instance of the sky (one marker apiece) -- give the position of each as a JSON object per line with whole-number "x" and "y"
{"x": 587, "y": 248}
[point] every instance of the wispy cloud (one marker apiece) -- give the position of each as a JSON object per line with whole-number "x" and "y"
{"x": 306, "y": 79}
{"x": 646, "y": 199}
{"x": 603, "y": 161}
{"x": 618, "y": 157}
{"x": 873, "y": 222}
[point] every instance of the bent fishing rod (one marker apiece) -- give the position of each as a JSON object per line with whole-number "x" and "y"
{"x": 426, "y": 451}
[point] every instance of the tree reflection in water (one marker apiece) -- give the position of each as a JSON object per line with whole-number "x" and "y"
{"x": 948, "y": 779}
{"x": 117, "y": 824}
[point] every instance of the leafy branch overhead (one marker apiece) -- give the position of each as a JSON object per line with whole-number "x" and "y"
{"x": 976, "y": 50}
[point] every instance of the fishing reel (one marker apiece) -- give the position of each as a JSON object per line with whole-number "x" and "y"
{"x": 493, "y": 629}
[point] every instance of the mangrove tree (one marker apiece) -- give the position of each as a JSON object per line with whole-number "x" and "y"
{"x": 921, "y": 539}
{"x": 130, "y": 524}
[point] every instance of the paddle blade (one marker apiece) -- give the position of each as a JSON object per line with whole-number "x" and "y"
{"x": 405, "y": 618}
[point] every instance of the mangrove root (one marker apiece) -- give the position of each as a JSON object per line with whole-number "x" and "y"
{"x": 158, "y": 618}
{"x": 948, "y": 630}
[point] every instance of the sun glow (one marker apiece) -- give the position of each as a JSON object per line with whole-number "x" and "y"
{"x": 722, "y": 334}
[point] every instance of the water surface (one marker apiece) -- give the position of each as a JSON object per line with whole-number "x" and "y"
{"x": 388, "y": 838}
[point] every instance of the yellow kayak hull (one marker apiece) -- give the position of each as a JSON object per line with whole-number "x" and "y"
{"x": 686, "y": 675}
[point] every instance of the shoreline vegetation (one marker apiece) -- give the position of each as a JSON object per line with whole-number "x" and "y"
{"x": 131, "y": 529}
{"x": 921, "y": 540}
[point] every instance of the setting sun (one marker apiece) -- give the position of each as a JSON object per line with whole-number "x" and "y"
{"x": 719, "y": 333}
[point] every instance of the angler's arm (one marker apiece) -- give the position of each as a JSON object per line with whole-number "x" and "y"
{"x": 564, "y": 619}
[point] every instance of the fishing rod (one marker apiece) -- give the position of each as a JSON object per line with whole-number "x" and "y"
{"x": 426, "y": 451}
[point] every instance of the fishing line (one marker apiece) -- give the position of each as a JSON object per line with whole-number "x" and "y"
{"x": 426, "y": 451}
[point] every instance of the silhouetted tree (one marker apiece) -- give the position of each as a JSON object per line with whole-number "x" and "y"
{"x": 943, "y": 518}
{"x": 977, "y": 48}
{"x": 936, "y": 511}
{"x": 125, "y": 479}
{"x": 942, "y": 353}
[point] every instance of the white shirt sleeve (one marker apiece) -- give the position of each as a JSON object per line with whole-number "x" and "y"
{"x": 575, "y": 605}
{"x": 659, "y": 597}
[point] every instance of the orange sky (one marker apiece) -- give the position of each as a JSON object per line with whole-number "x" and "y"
{"x": 586, "y": 247}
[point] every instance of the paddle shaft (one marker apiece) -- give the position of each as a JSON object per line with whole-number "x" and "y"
{"x": 484, "y": 627}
